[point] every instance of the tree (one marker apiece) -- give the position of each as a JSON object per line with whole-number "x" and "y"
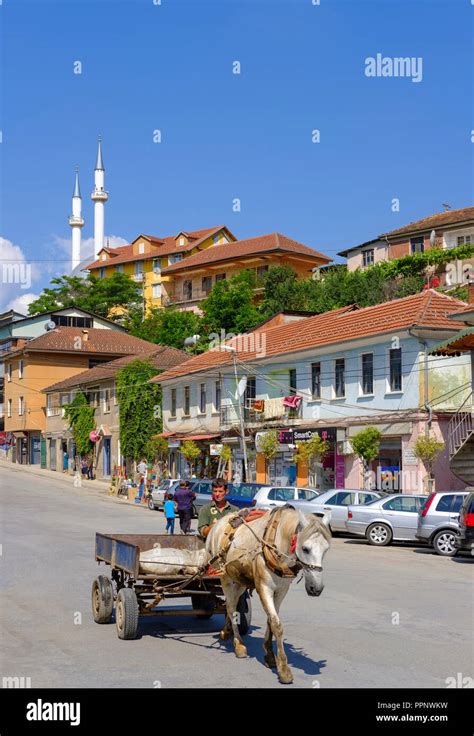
{"x": 283, "y": 291}
{"x": 427, "y": 448}
{"x": 79, "y": 416}
{"x": 139, "y": 407}
{"x": 230, "y": 305}
{"x": 168, "y": 326}
{"x": 310, "y": 452}
{"x": 366, "y": 445}
{"x": 93, "y": 294}
{"x": 190, "y": 452}
{"x": 156, "y": 451}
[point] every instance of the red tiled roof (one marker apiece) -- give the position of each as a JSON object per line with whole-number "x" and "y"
{"x": 262, "y": 244}
{"x": 162, "y": 357}
{"x": 98, "y": 342}
{"x": 164, "y": 246}
{"x": 448, "y": 217}
{"x": 428, "y": 309}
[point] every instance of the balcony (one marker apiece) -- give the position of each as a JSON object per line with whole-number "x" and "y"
{"x": 196, "y": 295}
{"x": 138, "y": 276}
{"x": 229, "y": 416}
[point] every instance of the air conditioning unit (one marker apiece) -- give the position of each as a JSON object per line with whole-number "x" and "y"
{"x": 344, "y": 447}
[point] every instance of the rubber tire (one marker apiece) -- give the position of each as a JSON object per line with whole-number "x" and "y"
{"x": 207, "y": 602}
{"x": 244, "y": 607}
{"x": 151, "y": 505}
{"x": 126, "y": 614}
{"x": 102, "y": 599}
{"x": 379, "y": 544}
{"x": 436, "y": 539}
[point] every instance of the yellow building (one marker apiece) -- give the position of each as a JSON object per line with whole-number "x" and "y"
{"x": 146, "y": 257}
{"x": 182, "y": 269}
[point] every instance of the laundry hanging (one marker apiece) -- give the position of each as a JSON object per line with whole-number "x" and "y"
{"x": 292, "y": 401}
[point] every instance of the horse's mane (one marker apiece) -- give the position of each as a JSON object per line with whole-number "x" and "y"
{"x": 314, "y": 526}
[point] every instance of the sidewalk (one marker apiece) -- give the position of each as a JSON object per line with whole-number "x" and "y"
{"x": 96, "y": 487}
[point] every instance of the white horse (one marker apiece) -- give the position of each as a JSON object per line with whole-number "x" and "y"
{"x": 267, "y": 554}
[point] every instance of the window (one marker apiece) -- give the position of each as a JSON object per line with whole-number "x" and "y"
{"x": 102, "y": 273}
{"x": 21, "y": 405}
{"x": 367, "y": 498}
{"x": 106, "y": 404}
{"x": 181, "y": 240}
{"x": 261, "y": 271}
{"x": 395, "y": 369}
{"x": 63, "y": 320}
{"x": 173, "y": 402}
{"x": 417, "y": 245}
{"x": 187, "y": 289}
{"x": 463, "y": 240}
{"x": 206, "y": 284}
{"x": 9, "y": 408}
{"x": 220, "y": 277}
{"x": 9, "y": 372}
{"x": 292, "y": 380}
{"x": 64, "y": 399}
{"x": 458, "y": 502}
{"x": 141, "y": 247}
{"x": 138, "y": 268}
{"x": 250, "y": 392}
{"x": 202, "y": 398}
{"x": 367, "y": 373}
{"x": 316, "y": 380}
{"x": 175, "y": 258}
{"x": 156, "y": 291}
{"x": 119, "y": 268}
{"x": 368, "y": 257}
{"x": 218, "y": 394}
{"x": 410, "y": 505}
{"x": 20, "y": 369}
{"x": 450, "y": 503}
{"x": 103, "y": 257}
{"x": 305, "y": 495}
{"x": 114, "y": 394}
{"x": 93, "y": 395}
{"x": 342, "y": 498}
{"x": 281, "y": 494}
{"x": 157, "y": 265}
{"x": 339, "y": 377}
{"x": 187, "y": 403}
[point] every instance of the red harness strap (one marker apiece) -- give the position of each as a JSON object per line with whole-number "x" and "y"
{"x": 293, "y": 544}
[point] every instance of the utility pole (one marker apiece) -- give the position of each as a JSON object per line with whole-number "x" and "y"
{"x": 241, "y": 418}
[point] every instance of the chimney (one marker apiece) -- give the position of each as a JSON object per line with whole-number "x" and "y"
{"x": 85, "y": 335}
{"x": 470, "y": 291}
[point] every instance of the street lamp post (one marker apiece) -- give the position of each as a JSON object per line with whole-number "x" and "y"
{"x": 241, "y": 418}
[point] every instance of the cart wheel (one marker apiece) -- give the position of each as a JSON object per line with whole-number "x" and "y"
{"x": 102, "y": 599}
{"x": 244, "y": 608}
{"x": 206, "y": 602}
{"x": 126, "y": 614}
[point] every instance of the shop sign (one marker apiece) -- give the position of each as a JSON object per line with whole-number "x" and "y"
{"x": 409, "y": 457}
{"x": 215, "y": 450}
{"x": 173, "y": 444}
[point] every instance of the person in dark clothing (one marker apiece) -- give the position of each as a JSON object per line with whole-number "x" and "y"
{"x": 184, "y": 498}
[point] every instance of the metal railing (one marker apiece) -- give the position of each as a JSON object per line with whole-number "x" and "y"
{"x": 461, "y": 425}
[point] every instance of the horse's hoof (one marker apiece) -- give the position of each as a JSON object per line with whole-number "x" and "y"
{"x": 223, "y": 635}
{"x": 270, "y": 661}
{"x": 285, "y": 677}
{"x": 241, "y": 652}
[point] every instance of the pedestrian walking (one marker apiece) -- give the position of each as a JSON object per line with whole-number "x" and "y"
{"x": 90, "y": 468}
{"x": 170, "y": 508}
{"x": 84, "y": 467}
{"x": 184, "y": 498}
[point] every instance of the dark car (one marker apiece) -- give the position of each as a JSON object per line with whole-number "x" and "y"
{"x": 464, "y": 541}
{"x": 243, "y": 494}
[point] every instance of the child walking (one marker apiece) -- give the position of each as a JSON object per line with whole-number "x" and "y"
{"x": 170, "y": 513}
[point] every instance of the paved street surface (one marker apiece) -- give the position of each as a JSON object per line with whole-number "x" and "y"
{"x": 393, "y": 617}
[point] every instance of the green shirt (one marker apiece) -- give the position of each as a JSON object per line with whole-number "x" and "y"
{"x": 210, "y": 513}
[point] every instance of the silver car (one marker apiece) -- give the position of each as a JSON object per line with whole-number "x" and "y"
{"x": 157, "y": 496}
{"x": 270, "y": 496}
{"x": 388, "y": 519}
{"x": 438, "y": 521}
{"x": 336, "y": 502}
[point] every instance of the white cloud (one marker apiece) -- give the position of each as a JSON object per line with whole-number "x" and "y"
{"x": 21, "y": 303}
{"x": 16, "y": 275}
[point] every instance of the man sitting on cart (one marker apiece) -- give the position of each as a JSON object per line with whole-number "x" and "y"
{"x": 219, "y": 507}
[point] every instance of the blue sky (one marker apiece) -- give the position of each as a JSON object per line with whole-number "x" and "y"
{"x": 226, "y": 136}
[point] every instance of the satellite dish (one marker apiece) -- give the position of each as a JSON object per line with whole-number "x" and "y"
{"x": 191, "y": 341}
{"x": 50, "y": 326}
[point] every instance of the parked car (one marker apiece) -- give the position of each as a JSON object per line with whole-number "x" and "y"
{"x": 270, "y": 496}
{"x": 243, "y": 494}
{"x": 157, "y": 495}
{"x": 464, "y": 541}
{"x": 438, "y": 521}
{"x": 336, "y": 501}
{"x": 387, "y": 519}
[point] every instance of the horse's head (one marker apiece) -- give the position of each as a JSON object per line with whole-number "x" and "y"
{"x": 313, "y": 539}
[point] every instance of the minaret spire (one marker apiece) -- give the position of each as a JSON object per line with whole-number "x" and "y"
{"x": 99, "y": 196}
{"x": 77, "y": 223}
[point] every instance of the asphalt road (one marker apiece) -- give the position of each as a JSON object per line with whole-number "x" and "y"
{"x": 393, "y": 617}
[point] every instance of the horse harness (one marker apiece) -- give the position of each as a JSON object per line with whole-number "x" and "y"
{"x": 273, "y": 557}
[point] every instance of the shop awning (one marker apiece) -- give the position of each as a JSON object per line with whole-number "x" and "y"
{"x": 462, "y": 342}
{"x": 164, "y": 434}
{"x": 199, "y": 437}
{"x": 19, "y": 435}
